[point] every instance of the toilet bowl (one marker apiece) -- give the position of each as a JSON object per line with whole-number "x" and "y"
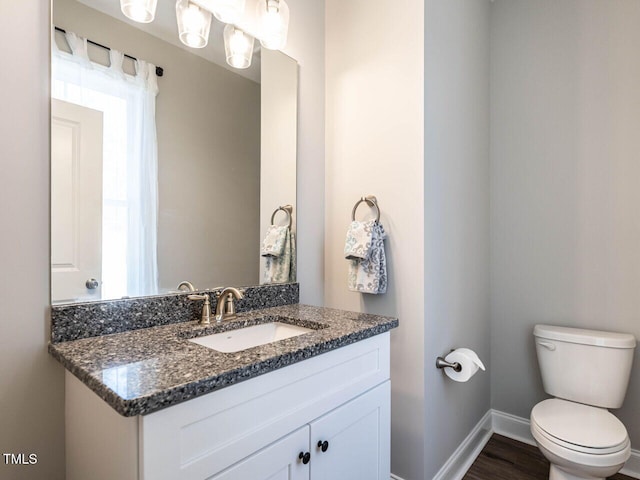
{"x": 581, "y": 442}
{"x": 587, "y": 371}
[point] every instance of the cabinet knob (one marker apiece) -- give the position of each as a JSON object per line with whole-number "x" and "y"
{"x": 305, "y": 457}
{"x": 324, "y": 446}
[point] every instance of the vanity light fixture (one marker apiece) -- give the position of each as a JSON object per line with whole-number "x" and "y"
{"x": 270, "y": 25}
{"x": 228, "y": 11}
{"x": 142, "y": 11}
{"x": 194, "y": 24}
{"x": 274, "y": 23}
{"x": 238, "y": 47}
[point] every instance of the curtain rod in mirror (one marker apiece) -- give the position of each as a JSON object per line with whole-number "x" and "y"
{"x": 159, "y": 70}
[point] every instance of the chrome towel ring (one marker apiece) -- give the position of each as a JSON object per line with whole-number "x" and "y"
{"x": 369, "y": 200}
{"x": 288, "y": 209}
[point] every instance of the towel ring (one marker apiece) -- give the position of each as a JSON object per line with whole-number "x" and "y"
{"x": 288, "y": 209}
{"x": 369, "y": 200}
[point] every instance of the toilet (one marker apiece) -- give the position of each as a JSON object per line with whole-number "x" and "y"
{"x": 587, "y": 372}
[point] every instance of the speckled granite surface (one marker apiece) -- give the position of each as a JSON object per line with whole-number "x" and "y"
{"x": 92, "y": 319}
{"x": 142, "y": 371}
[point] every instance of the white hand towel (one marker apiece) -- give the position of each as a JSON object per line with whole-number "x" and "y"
{"x": 369, "y": 275}
{"x": 359, "y": 238}
{"x": 274, "y": 241}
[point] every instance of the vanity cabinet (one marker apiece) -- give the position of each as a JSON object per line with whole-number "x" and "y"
{"x": 344, "y": 444}
{"x": 253, "y": 430}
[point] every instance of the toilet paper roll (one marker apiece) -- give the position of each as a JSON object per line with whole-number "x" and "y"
{"x": 469, "y": 361}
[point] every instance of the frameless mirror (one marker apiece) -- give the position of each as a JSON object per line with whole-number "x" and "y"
{"x": 161, "y": 179}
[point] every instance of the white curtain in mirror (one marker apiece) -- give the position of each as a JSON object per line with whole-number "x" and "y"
{"x": 130, "y": 177}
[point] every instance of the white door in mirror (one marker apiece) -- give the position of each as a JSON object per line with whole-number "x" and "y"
{"x": 243, "y": 338}
{"x": 76, "y": 202}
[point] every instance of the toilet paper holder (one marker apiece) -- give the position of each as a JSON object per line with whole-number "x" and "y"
{"x": 442, "y": 363}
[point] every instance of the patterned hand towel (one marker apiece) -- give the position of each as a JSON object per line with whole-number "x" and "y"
{"x": 369, "y": 275}
{"x": 359, "y": 239}
{"x": 282, "y": 269}
{"x": 274, "y": 241}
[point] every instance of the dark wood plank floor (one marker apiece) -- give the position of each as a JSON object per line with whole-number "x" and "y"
{"x": 506, "y": 459}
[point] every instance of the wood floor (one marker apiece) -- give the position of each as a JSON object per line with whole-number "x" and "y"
{"x": 506, "y": 459}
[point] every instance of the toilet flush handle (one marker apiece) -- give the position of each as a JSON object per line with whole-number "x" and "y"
{"x": 547, "y": 345}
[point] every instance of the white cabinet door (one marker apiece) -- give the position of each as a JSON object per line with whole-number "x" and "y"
{"x": 358, "y": 439}
{"x": 278, "y": 461}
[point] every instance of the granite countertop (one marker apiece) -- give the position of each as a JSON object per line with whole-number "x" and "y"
{"x": 142, "y": 371}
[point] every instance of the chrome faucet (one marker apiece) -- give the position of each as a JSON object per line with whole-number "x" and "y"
{"x": 225, "y": 308}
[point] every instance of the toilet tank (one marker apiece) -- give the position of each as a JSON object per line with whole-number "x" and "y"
{"x": 585, "y": 366}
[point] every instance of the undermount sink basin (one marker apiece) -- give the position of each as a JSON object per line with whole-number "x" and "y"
{"x": 247, "y": 337}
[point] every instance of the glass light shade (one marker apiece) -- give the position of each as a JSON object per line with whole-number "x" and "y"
{"x": 274, "y": 23}
{"x": 228, "y": 11}
{"x": 194, "y": 24}
{"x": 142, "y": 11}
{"x": 238, "y": 47}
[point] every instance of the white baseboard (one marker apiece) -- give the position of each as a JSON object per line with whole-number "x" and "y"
{"x": 519, "y": 428}
{"x": 511, "y": 426}
{"x": 458, "y": 464}
{"x": 632, "y": 467}
{"x": 466, "y": 453}
{"x": 516, "y": 428}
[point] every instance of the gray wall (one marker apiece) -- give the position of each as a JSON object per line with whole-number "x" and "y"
{"x": 208, "y": 122}
{"x": 31, "y": 383}
{"x": 565, "y": 227}
{"x": 374, "y": 141}
{"x": 456, "y": 205}
{"x": 408, "y": 121}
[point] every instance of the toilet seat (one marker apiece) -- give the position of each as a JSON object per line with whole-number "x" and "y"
{"x": 580, "y": 428}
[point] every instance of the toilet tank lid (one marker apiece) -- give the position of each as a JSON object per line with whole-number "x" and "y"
{"x": 585, "y": 337}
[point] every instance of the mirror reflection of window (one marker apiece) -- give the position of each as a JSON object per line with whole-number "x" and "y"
{"x": 128, "y": 244}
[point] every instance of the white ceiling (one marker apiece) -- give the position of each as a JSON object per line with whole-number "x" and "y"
{"x": 165, "y": 27}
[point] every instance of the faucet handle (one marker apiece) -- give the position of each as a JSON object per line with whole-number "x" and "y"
{"x": 205, "y": 319}
{"x": 198, "y": 297}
